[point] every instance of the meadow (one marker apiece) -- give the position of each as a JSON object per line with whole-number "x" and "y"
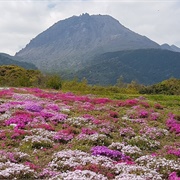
{"x": 52, "y": 134}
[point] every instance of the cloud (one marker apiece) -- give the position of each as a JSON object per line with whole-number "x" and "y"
{"x": 22, "y": 20}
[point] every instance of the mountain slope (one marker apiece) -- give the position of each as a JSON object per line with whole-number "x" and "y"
{"x": 6, "y": 59}
{"x": 170, "y": 48}
{"x": 146, "y": 66}
{"x": 71, "y": 43}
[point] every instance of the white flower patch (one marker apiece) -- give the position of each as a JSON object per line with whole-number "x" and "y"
{"x": 36, "y": 138}
{"x": 21, "y": 155}
{"x": 37, "y": 141}
{"x": 117, "y": 145}
{"x": 64, "y": 109}
{"x": 155, "y": 162}
{"x": 79, "y": 175}
{"x": 43, "y": 133}
{"x": 19, "y": 96}
{"x": 144, "y": 142}
{"x": 139, "y": 121}
{"x": 10, "y": 170}
{"x": 126, "y": 149}
{"x": 142, "y": 172}
{"x": 78, "y": 120}
{"x": 70, "y": 158}
{"x": 2, "y": 88}
{"x": 5, "y": 116}
{"x": 126, "y": 118}
{"x": 125, "y": 176}
{"x": 131, "y": 150}
{"x": 92, "y": 137}
{"x": 154, "y": 132}
{"x": 13, "y": 156}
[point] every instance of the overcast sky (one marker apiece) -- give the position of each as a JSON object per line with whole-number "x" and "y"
{"x": 22, "y": 20}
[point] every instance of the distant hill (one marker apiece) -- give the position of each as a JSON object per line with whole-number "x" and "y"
{"x": 69, "y": 44}
{"x": 6, "y": 59}
{"x": 146, "y": 66}
{"x": 170, "y": 48}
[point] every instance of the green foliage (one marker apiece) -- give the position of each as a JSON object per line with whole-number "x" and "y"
{"x": 53, "y": 81}
{"x": 11, "y": 75}
{"x": 84, "y": 88}
{"x": 15, "y": 76}
{"x": 168, "y": 87}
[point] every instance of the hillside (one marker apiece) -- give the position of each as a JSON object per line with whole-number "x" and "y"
{"x": 69, "y": 44}
{"x": 6, "y": 59}
{"x": 170, "y": 48}
{"x": 144, "y": 66}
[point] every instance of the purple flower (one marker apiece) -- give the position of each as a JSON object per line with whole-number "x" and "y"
{"x": 173, "y": 124}
{"x": 59, "y": 117}
{"x": 143, "y": 114}
{"x": 104, "y": 151}
{"x": 19, "y": 120}
{"x": 174, "y": 152}
{"x": 88, "y": 131}
{"x": 63, "y": 136}
{"x": 33, "y": 107}
{"x": 173, "y": 176}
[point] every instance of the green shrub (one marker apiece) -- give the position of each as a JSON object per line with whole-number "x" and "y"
{"x": 54, "y": 82}
{"x": 168, "y": 87}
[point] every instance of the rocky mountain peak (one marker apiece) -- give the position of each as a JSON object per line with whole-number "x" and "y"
{"x": 73, "y": 42}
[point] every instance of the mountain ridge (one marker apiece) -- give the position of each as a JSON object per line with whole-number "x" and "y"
{"x": 6, "y": 59}
{"x": 170, "y": 48}
{"x": 145, "y": 66}
{"x": 70, "y": 43}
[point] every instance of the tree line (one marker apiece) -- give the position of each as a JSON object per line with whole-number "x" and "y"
{"x": 15, "y": 76}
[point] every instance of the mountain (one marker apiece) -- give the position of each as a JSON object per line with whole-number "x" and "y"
{"x": 6, "y": 59}
{"x": 175, "y": 48}
{"x": 146, "y": 66}
{"x": 70, "y": 44}
{"x": 170, "y": 48}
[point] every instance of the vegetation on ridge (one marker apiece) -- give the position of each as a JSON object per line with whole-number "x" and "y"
{"x": 14, "y": 76}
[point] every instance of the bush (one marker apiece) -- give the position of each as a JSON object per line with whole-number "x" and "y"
{"x": 53, "y": 81}
{"x": 168, "y": 87}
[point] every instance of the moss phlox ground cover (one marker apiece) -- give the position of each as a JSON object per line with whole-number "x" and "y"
{"x": 48, "y": 134}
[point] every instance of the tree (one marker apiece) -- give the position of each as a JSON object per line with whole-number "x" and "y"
{"x": 120, "y": 82}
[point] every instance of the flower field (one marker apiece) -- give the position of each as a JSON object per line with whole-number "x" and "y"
{"x": 48, "y": 134}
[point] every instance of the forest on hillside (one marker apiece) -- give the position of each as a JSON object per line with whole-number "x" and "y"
{"x": 15, "y": 76}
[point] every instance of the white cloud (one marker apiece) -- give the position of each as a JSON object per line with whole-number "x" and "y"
{"x": 22, "y": 20}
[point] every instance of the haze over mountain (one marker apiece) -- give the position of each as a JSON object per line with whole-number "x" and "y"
{"x": 145, "y": 66}
{"x": 70, "y": 43}
{"x": 170, "y": 48}
{"x": 100, "y": 49}
{"x": 6, "y": 59}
